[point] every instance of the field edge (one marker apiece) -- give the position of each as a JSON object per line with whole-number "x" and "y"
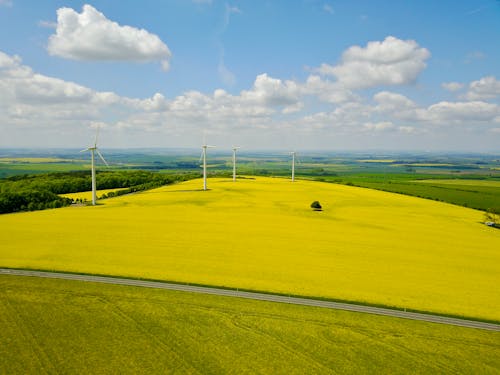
{"x": 314, "y": 298}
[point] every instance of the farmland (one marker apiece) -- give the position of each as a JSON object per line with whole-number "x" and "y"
{"x": 68, "y": 326}
{"x": 366, "y": 246}
{"x": 87, "y": 195}
{"x": 399, "y": 173}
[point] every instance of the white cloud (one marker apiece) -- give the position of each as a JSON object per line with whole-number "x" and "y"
{"x": 293, "y": 108}
{"x": 327, "y": 91}
{"x": 328, "y": 9}
{"x": 390, "y": 62}
{"x": 474, "y": 56}
{"x": 379, "y": 126}
{"x": 225, "y": 74}
{"x": 407, "y": 129}
{"x": 392, "y": 102}
{"x": 35, "y": 101}
{"x": 485, "y": 88}
{"x": 462, "y": 112}
{"x": 91, "y": 36}
{"x": 452, "y": 86}
{"x": 272, "y": 92}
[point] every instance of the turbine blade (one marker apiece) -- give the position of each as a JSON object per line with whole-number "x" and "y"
{"x": 102, "y": 157}
{"x": 201, "y": 157}
{"x": 210, "y": 146}
{"x": 87, "y": 149}
{"x": 96, "y": 136}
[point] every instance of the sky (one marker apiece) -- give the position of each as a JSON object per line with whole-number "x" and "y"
{"x": 283, "y": 74}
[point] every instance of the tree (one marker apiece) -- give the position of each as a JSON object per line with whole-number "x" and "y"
{"x": 492, "y": 215}
{"x": 316, "y": 206}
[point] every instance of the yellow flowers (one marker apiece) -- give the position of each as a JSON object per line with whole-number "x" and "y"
{"x": 366, "y": 245}
{"x": 87, "y": 195}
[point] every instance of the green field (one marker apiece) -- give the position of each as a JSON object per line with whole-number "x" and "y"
{"x": 61, "y": 326}
{"x": 476, "y": 193}
{"x": 366, "y": 246}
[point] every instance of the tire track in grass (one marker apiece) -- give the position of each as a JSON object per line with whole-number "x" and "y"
{"x": 161, "y": 348}
{"x": 239, "y": 321}
{"x": 40, "y": 354}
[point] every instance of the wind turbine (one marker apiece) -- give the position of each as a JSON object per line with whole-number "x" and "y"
{"x": 204, "y": 157}
{"x": 293, "y": 165}
{"x": 234, "y": 161}
{"x": 93, "y": 150}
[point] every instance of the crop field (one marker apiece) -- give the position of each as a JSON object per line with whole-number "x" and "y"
{"x": 366, "y": 246}
{"x": 475, "y": 193}
{"x": 461, "y": 182}
{"x": 68, "y": 326}
{"x": 87, "y": 195}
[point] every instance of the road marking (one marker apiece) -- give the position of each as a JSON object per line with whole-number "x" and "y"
{"x": 258, "y": 296}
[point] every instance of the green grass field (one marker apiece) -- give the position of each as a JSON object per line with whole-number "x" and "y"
{"x": 480, "y": 194}
{"x": 61, "y": 326}
{"x": 366, "y": 245}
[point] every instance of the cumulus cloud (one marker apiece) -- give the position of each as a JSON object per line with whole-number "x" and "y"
{"x": 272, "y": 91}
{"x": 462, "y": 112}
{"x": 89, "y": 35}
{"x": 392, "y": 102}
{"x": 390, "y": 62}
{"x": 379, "y": 126}
{"x": 30, "y": 99}
{"x": 328, "y": 91}
{"x": 452, "y": 86}
{"x": 485, "y": 88}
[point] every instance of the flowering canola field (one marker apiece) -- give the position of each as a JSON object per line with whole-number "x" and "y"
{"x": 366, "y": 245}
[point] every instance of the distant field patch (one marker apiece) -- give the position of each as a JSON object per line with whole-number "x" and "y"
{"x": 429, "y": 164}
{"x": 377, "y": 161}
{"x": 87, "y": 195}
{"x": 462, "y": 182}
{"x": 37, "y": 160}
{"x": 60, "y": 326}
{"x": 366, "y": 245}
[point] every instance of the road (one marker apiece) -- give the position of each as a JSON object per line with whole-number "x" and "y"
{"x": 257, "y": 296}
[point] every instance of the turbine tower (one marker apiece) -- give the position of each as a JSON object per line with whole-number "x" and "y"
{"x": 93, "y": 150}
{"x": 293, "y": 165}
{"x": 234, "y": 161}
{"x": 204, "y": 157}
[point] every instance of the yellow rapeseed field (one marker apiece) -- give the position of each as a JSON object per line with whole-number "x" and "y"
{"x": 366, "y": 245}
{"x": 87, "y": 195}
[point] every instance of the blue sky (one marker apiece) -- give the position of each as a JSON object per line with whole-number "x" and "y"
{"x": 301, "y": 74}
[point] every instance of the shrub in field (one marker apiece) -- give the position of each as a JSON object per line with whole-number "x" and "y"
{"x": 493, "y": 216}
{"x": 316, "y": 206}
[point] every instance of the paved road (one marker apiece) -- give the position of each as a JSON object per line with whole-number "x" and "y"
{"x": 257, "y": 296}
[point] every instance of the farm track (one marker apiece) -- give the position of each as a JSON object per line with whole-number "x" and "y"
{"x": 257, "y": 296}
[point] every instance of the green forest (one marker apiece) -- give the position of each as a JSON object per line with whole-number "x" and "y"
{"x": 38, "y": 192}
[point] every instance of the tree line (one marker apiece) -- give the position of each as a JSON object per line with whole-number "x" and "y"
{"x": 38, "y": 192}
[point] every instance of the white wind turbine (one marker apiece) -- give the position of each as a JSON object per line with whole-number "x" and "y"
{"x": 92, "y": 153}
{"x": 204, "y": 157}
{"x": 234, "y": 161}
{"x": 293, "y": 165}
